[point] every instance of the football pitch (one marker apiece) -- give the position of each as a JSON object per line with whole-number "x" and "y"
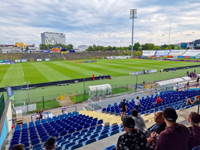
{"x": 39, "y": 72}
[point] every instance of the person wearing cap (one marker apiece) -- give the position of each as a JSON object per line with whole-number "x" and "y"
{"x": 175, "y": 136}
{"x": 133, "y": 139}
{"x": 50, "y": 143}
{"x": 194, "y": 130}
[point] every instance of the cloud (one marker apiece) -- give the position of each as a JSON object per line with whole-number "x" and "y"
{"x": 100, "y": 22}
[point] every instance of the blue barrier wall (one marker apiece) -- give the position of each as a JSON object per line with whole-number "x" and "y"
{"x": 4, "y": 132}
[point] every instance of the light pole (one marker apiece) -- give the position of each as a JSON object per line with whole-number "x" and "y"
{"x": 84, "y": 87}
{"x": 136, "y": 83}
{"x": 133, "y": 15}
{"x": 27, "y": 83}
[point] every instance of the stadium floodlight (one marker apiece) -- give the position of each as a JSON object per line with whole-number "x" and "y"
{"x": 27, "y": 83}
{"x": 133, "y": 15}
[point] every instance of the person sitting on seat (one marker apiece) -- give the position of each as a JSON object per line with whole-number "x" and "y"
{"x": 50, "y": 143}
{"x": 158, "y": 101}
{"x": 64, "y": 110}
{"x": 139, "y": 121}
{"x": 189, "y": 100}
{"x": 18, "y": 147}
{"x": 159, "y": 126}
{"x": 194, "y": 129}
{"x": 175, "y": 136}
{"x": 133, "y": 139}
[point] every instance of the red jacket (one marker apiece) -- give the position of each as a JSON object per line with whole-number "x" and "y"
{"x": 158, "y": 100}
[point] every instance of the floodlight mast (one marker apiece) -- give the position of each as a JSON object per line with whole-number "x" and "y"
{"x": 133, "y": 15}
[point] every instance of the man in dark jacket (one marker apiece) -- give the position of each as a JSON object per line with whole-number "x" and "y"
{"x": 175, "y": 136}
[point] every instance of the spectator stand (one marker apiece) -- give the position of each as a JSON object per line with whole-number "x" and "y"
{"x": 172, "y": 99}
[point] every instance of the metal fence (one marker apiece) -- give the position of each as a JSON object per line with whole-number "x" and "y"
{"x": 66, "y": 97}
{"x": 2, "y": 105}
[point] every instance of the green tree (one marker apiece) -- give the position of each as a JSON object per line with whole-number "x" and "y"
{"x": 90, "y": 49}
{"x": 136, "y": 46}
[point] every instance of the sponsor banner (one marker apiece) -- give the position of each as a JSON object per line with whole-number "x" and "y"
{"x": 148, "y": 53}
{"x": 17, "y": 60}
{"x": 39, "y": 59}
{"x": 47, "y": 59}
{"x": 143, "y": 72}
{"x": 56, "y": 50}
{"x": 118, "y": 57}
{"x": 162, "y": 52}
{"x": 24, "y": 60}
{"x": 192, "y": 53}
{"x": 10, "y": 93}
{"x": 177, "y": 52}
{"x": 7, "y": 61}
{"x": 46, "y": 51}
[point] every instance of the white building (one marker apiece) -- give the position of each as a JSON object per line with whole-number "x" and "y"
{"x": 53, "y": 38}
{"x": 82, "y": 48}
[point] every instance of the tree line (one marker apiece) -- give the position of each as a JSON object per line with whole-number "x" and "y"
{"x": 136, "y": 47}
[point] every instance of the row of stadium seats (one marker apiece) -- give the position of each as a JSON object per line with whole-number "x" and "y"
{"x": 168, "y": 100}
{"x": 72, "y": 130}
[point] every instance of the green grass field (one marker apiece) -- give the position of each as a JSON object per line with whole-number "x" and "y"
{"x": 38, "y": 72}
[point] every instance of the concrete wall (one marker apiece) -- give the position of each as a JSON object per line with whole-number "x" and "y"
{"x": 9, "y": 117}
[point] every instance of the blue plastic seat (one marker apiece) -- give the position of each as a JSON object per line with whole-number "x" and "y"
{"x": 75, "y": 146}
{"x": 45, "y": 138}
{"x": 37, "y": 146}
{"x": 35, "y": 141}
{"x": 63, "y": 133}
{"x": 103, "y": 136}
{"x": 68, "y": 145}
{"x": 26, "y": 144}
{"x": 110, "y": 147}
{"x": 89, "y": 141}
{"x": 94, "y": 136}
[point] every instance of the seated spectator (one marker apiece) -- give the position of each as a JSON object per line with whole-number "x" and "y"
{"x": 191, "y": 101}
{"x": 18, "y": 147}
{"x": 40, "y": 114}
{"x": 159, "y": 126}
{"x": 37, "y": 115}
{"x": 64, "y": 110}
{"x": 139, "y": 122}
{"x": 133, "y": 139}
{"x": 158, "y": 100}
{"x": 50, "y": 144}
{"x": 175, "y": 136}
{"x": 194, "y": 129}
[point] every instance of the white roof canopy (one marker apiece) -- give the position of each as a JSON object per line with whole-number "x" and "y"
{"x": 102, "y": 87}
{"x": 172, "y": 81}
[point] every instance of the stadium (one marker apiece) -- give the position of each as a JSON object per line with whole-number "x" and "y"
{"x": 55, "y": 95}
{"x": 91, "y": 99}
